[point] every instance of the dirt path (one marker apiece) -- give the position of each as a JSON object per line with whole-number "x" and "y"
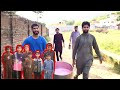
{"x": 97, "y": 71}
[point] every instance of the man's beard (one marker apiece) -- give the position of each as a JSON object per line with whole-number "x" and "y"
{"x": 85, "y": 31}
{"x": 75, "y": 30}
{"x": 36, "y": 32}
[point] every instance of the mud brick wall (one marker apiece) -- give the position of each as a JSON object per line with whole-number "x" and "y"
{"x": 20, "y": 28}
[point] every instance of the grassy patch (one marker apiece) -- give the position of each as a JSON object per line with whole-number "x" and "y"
{"x": 47, "y": 38}
{"x": 117, "y": 68}
{"x": 109, "y": 41}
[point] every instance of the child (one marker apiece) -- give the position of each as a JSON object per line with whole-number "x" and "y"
{"x": 48, "y": 67}
{"x": 18, "y": 57}
{"x": 26, "y": 50}
{"x": 50, "y": 51}
{"x": 28, "y": 66}
{"x": 7, "y": 61}
{"x": 38, "y": 65}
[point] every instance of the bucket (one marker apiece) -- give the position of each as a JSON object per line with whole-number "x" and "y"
{"x": 63, "y": 70}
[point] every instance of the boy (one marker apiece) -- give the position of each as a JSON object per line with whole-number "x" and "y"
{"x": 48, "y": 67}
{"x": 18, "y": 57}
{"x": 7, "y": 61}
{"x": 50, "y": 51}
{"x": 38, "y": 65}
{"x": 28, "y": 66}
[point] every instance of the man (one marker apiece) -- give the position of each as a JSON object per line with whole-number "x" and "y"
{"x": 35, "y": 41}
{"x": 73, "y": 36}
{"x": 83, "y": 51}
{"x": 58, "y": 39}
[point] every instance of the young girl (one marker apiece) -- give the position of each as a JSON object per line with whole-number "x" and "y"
{"x": 48, "y": 67}
{"x": 28, "y": 66}
{"x": 38, "y": 65}
{"x": 7, "y": 61}
{"x": 18, "y": 57}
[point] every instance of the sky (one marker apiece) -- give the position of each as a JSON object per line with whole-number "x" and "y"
{"x": 52, "y": 17}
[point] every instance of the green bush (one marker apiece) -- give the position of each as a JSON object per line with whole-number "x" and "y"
{"x": 117, "y": 67}
{"x": 113, "y": 62}
{"x": 109, "y": 41}
{"x": 47, "y": 38}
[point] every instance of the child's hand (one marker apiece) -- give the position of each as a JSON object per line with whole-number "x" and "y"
{"x": 63, "y": 45}
{"x": 35, "y": 67}
{"x": 101, "y": 59}
{"x": 16, "y": 61}
{"x": 100, "y": 62}
{"x": 33, "y": 74}
{"x": 22, "y": 68}
{"x": 8, "y": 57}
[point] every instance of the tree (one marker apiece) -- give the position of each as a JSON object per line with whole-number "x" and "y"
{"x": 118, "y": 13}
{"x": 77, "y": 23}
{"x": 43, "y": 24}
{"x": 118, "y": 18}
{"x": 98, "y": 18}
{"x": 70, "y": 22}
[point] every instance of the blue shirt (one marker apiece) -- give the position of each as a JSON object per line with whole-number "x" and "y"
{"x": 36, "y": 44}
{"x": 48, "y": 65}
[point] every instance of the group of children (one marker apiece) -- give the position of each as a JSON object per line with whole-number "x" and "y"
{"x": 24, "y": 64}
